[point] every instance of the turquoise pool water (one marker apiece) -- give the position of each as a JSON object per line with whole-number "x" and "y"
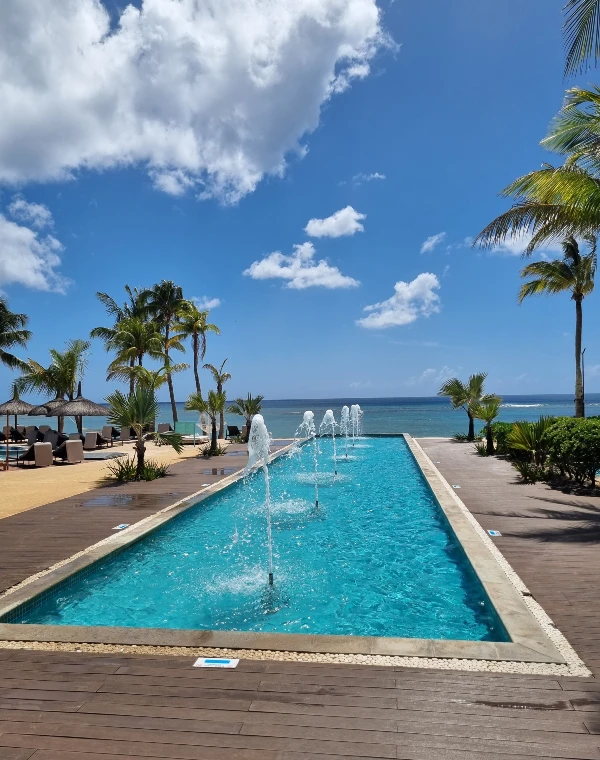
{"x": 376, "y": 558}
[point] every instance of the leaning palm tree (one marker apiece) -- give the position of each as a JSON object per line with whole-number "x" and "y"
{"x": 13, "y": 333}
{"x": 60, "y": 377}
{"x": 581, "y": 33}
{"x": 193, "y": 324}
{"x": 247, "y": 407}
{"x": 139, "y": 410}
{"x": 574, "y": 273}
{"x": 220, "y": 379}
{"x": 467, "y": 396}
{"x": 166, "y": 304}
{"x": 487, "y": 411}
{"x": 132, "y": 339}
{"x": 213, "y": 406}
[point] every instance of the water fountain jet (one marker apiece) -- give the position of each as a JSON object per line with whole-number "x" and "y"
{"x": 344, "y": 426}
{"x": 329, "y": 423}
{"x": 307, "y": 430}
{"x": 259, "y": 444}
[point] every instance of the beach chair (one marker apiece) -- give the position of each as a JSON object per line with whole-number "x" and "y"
{"x": 107, "y": 433}
{"x": 52, "y": 438}
{"x": 233, "y": 431}
{"x": 76, "y": 437}
{"x": 18, "y": 435}
{"x": 44, "y": 428}
{"x": 89, "y": 443}
{"x": 34, "y": 436}
{"x": 101, "y": 440}
{"x": 42, "y": 454}
{"x": 70, "y": 451}
{"x": 7, "y": 432}
{"x": 125, "y": 435}
{"x": 164, "y": 427}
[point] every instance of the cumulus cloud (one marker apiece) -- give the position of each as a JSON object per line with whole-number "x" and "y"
{"x": 359, "y": 178}
{"x": 206, "y": 303}
{"x": 35, "y": 214}
{"x": 300, "y": 270}
{"x": 432, "y": 242}
{"x": 410, "y": 301}
{"x": 346, "y": 221}
{"x": 27, "y": 258}
{"x": 196, "y": 91}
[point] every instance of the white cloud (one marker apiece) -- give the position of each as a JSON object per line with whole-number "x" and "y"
{"x": 193, "y": 90}
{"x": 432, "y": 242}
{"x": 28, "y": 259}
{"x": 432, "y": 376}
{"x": 358, "y": 179}
{"x": 31, "y": 213}
{"x": 206, "y": 303}
{"x": 410, "y": 301}
{"x": 515, "y": 246}
{"x": 300, "y": 270}
{"x": 346, "y": 221}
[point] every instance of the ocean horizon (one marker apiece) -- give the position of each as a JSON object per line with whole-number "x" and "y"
{"x": 420, "y": 416}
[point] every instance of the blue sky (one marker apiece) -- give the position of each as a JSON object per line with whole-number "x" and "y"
{"x": 455, "y": 101}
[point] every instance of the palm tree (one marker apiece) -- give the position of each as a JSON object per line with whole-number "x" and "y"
{"x": 166, "y": 304}
{"x": 12, "y": 333}
{"x": 220, "y": 379}
{"x": 138, "y": 410}
{"x": 247, "y": 407}
{"x": 60, "y": 377}
{"x": 467, "y": 396}
{"x": 487, "y": 411}
{"x": 193, "y": 324}
{"x": 132, "y": 338}
{"x": 213, "y": 406}
{"x": 573, "y": 273}
{"x": 581, "y": 32}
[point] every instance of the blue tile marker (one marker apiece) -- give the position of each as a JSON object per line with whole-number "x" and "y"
{"x": 215, "y": 662}
{"x": 494, "y": 533}
{"x": 122, "y": 526}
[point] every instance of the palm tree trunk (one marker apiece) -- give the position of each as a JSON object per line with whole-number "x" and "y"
{"x": 579, "y": 400}
{"x": 169, "y": 378}
{"x": 196, "y": 351}
{"x": 221, "y": 415}
{"x": 489, "y": 440}
{"x": 213, "y": 438}
{"x": 248, "y": 426}
{"x": 140, "y": 451}
{"x": 471, "y": 427}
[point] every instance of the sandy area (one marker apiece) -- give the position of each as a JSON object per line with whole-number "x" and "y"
{"x": 28, "y": 487}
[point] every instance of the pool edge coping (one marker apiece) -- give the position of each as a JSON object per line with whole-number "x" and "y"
{"x": 530, "y": 642}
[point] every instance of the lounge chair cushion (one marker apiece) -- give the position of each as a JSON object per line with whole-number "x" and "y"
{"x": 42, "y": 454}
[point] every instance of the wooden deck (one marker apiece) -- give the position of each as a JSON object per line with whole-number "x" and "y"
{"x": 70, "y": 706}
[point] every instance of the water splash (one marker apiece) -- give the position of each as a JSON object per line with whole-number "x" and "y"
{"x": 330, "y": 424}
{"x": 307, "y": 430}
{"x": 259, "y": 445}
{"x": 356, "y": 415}
{"x": 345, "y": 426}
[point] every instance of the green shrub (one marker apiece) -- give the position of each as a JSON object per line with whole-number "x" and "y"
{"x": 481, "y": 449}
{"x": 500, "y": 433}
{"x": 124, "y": 470}
{"x": 205, "y": 451}
{"x": 529, "y": 472}
{"x": 574, "y": 448}
{"x": 531, "y": 438}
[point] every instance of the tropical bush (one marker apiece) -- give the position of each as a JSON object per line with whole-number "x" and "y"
{"x": 529, "y": 472}
{"x": 500, "y": 433}
{"x": 531, "y": 438}
{"x": 125, "y": 470}
{"x": 218, "y": 451}
{"x": 482, "y": 449}
{"x": 573, "y": 447}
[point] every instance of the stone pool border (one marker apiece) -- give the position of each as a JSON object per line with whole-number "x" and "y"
{"x": 533, "y": 644}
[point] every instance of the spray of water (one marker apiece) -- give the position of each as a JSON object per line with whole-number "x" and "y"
{"x": 307, "y": 429}
{"x": 345, "y": 426}
{"x": 354, "y": 417}
{"x": 259, "y": 445}
{"x": 329, "y": 425}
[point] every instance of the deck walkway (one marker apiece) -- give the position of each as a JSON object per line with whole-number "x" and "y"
{"x": 71, "y": 706}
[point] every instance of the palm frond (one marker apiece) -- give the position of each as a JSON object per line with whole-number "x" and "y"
{"x": 581, "y": 32}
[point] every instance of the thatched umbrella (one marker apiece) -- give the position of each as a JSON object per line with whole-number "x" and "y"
{"x": 48, "y": 408}
{"x": 81, "y": 407}
{"x": 13, "y": 406}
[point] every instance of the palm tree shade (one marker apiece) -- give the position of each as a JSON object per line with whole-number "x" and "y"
{"x": 12, "y": 333}
{"x": 220, "y": 379}
{"x": 574, "y": 273}
{"x": 247, "y": 407}
{"x": 467, "y": 396}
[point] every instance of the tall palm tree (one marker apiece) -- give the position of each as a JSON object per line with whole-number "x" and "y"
{"x": 138, "y": 410}
{"x": 212, "y": 406}
{"x": 220, "y": 379}
{"x": 132, "y": 338}
{"x": 166, "y": 304}
{"x": 467, "y": 396}
{"x": 487, "y": 412}
{"x": 247, "y": 407}
{"x": 13, "y": 332}
{"x": 574, "y": 273}
{"x": 194, "y": 324}
{"x": 60, "y": 377}
{"x": 581, "y": 33}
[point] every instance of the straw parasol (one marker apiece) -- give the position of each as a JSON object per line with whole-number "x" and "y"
{"x": 13, "y": 406}
{"x": 80, "y": 407}
{"x": 47, "y": 409}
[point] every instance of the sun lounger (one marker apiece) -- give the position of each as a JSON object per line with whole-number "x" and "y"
{"x": 164, "y": 427}
{"x": 17, "y": 435}
{"x": 102, "y": 441}
{"x": 76, "y": 437}
{"x": 52, "y": 438}
{"x": 89, "y": 443}
{"x": 233, "y": 431}
{"x": 42, "y": 454}
{"x": 107, "y": 433}
{"x": 125, "y": 435}
{"x": 34, "y": 436}
{"x": 44, "y": 428}
{"x": 70, "y": 451}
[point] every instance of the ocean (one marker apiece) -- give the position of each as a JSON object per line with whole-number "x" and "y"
{"x": 427, "y": 416}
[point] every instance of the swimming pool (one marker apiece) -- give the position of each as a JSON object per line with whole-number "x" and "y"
{"x": 13, "y": 451}
{"x": 377, "y": 558}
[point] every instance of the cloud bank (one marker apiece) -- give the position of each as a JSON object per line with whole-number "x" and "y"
{"x": 206, "y": 95}
{"x": 410, "y": 301}
{"x": 300, "y": 270}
